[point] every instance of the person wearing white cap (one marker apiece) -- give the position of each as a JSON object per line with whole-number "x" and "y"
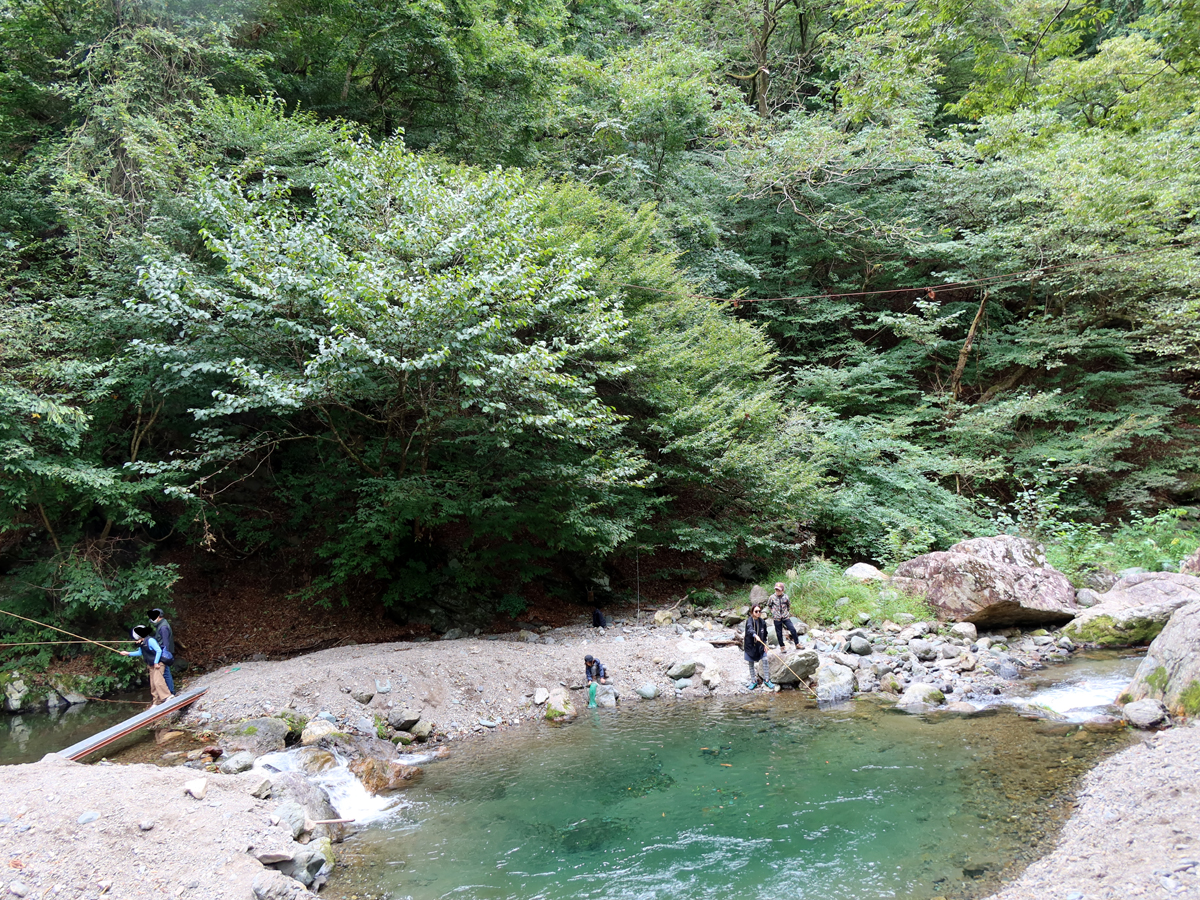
{"x": 152, "y": 652}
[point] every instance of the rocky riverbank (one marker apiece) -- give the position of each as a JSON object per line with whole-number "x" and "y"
{"x": 135, "y": 831}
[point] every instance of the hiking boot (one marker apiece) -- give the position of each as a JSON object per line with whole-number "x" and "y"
{"x": 770, "y": 685}
{"x": 752, "y": 685}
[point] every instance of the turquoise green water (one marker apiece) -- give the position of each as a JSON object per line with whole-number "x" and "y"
{"x": 28, "y": 737}
{"x": 763, "y": 798}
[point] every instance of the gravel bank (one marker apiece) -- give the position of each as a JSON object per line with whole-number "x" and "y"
{"x": 1135, "y": 833}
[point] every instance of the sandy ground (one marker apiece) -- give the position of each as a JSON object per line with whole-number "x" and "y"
{"x": 1135, "y": 833}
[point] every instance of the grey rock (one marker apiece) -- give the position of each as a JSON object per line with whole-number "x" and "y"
{"x": 274, "y": 885}
{"x": 365, "y": 726}
{"x": 234, "y": 763}
{"x": 262, "y": 789}
{"x": 647, "y": 691}
{"x": 682, "y": 684}
{"x": 15, "y": 694}
{"x": 922, "y": 649}
{"x": 682, "y": 669}
{"x": 920, "y": 693}
{"x": 965, "y": 630}
{"x": 292, "y": 814}
{"x": 403, "y": 718}
{"x": 326, "y": 716}
{"x": 383, "y": 687}
{"x": 454, "y": 634}
{"x": 17, "y": 888}
{"x": 835, "y": 683}
{"x": 258, "y": 736}
{"x": 559, "y": 706}
{"x": 1100, "y": 580}
{"x": 860, "y": 646}
{"x": 422, "y": 730}
{"x": 488, "y": 723}
{"x": 794, "y": 668}
{"x": 865, "y": 572}
{"x": 271, "y": 857}
{"x": 146, "y": 825}
{"x": 540, "y": 696}
{"x": 1087, "y": 598}
{"x": 307, "y": 865}
{"x": 1145, "y": 713}
{"x": 607, "y": 696}
{"x": 361, "y": 696}
{"x": 90, "y": 816}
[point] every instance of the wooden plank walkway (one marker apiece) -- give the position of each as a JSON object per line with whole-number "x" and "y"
{"x": 99, "y": 741}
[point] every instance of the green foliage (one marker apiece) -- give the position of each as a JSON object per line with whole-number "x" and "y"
{"x": 1189, "y": 699}
{"x": 820, "y": 593}
{"x": 1155, "y": 543}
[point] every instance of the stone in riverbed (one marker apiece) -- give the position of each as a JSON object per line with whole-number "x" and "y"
{"x": 860, "y": 646}
{"x": 259, "y": 736}
{"x": 682, "y": 684}
{"x": 242, "y": 761}
{"x": 647, "y": 691}
{"x": 362, "y": 696}
{"x": 607, "y": 696}
{"x": 921, "y": 694}
{"x": 835, "y": 683}
{"x": 795, "y": 668}
{"x": 923, "y": 650}
{"x": 965, "y": 630}
{"x": 422, "y": 730}
{"x": 559, "y": 706}
{"x": 1170, "y": 671}
{"x": 315, "y": 730}
{"x": 540, "y": 696}
{"x": 1145, "y": 713}
{"x": 381, "y": 776}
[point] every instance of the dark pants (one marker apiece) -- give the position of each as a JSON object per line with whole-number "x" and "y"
{"x": 167, "y": 677}
{"x": 780, "y": 624}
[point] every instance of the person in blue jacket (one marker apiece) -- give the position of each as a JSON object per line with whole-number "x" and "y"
{"x": 151, "y": 651}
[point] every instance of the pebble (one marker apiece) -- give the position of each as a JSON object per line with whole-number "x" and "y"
{"x": 146, "y": 825}
{"x": 90, "y": 816}
{"x": 17, "y": 889}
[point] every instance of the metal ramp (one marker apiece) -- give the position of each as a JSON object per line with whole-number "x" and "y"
{"x": 86, "y": 747}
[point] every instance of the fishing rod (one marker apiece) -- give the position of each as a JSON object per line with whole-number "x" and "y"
{"x": 63, "y": 631}
{"x": 783, "y": 660}
{"x": 48, "y": 643}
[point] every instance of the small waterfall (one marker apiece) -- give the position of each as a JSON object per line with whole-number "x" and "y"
{"x": 331, "y": 772}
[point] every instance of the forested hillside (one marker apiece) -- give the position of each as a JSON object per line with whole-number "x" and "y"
{"x": 488, "y": 298}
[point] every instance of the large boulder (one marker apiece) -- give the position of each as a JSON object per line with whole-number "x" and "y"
{"x": 1170, "y": 671}
{"x": 835, "y": 683}
{"x": 1135, "y": 610}
{"x": 865, "y": 572}
{"x": 607, "y": 696}
{"x": 794, "y": 668}
{"x": 919, "y": 695}
{"x": 993, "y": 582}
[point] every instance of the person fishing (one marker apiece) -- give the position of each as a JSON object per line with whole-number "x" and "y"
{"x": 754, "y": 648}
{"x": 166, "y": 639}
{"x": 780, "y": 607}
{"x": 595, "y": 673}
{"x": 151, "y": 651}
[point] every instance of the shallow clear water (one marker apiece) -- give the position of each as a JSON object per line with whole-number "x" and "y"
{"x": 28, "y": 737}
{"x": 765, "y": 797}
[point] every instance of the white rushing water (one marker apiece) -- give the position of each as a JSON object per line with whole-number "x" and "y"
{"x": 346, "y": 793}
{"x": 1086, "y": 688}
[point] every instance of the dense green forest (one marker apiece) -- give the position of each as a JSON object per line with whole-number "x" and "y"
{"x": 465, "y": 296}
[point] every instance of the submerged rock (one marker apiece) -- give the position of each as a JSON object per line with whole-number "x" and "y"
{"x": 647, "y": 691}
{"x": 559, "y": 706}
{"x": 380, "y": 776}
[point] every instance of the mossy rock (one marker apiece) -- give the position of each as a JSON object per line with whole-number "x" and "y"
{"x": 1105, "y": 631}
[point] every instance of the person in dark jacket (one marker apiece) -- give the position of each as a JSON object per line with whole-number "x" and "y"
{"x": 150, "y": 650}
{"x": 166, "y": 639}
{"x": 594, "y": 670}
{"x": 754, "y": 648}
